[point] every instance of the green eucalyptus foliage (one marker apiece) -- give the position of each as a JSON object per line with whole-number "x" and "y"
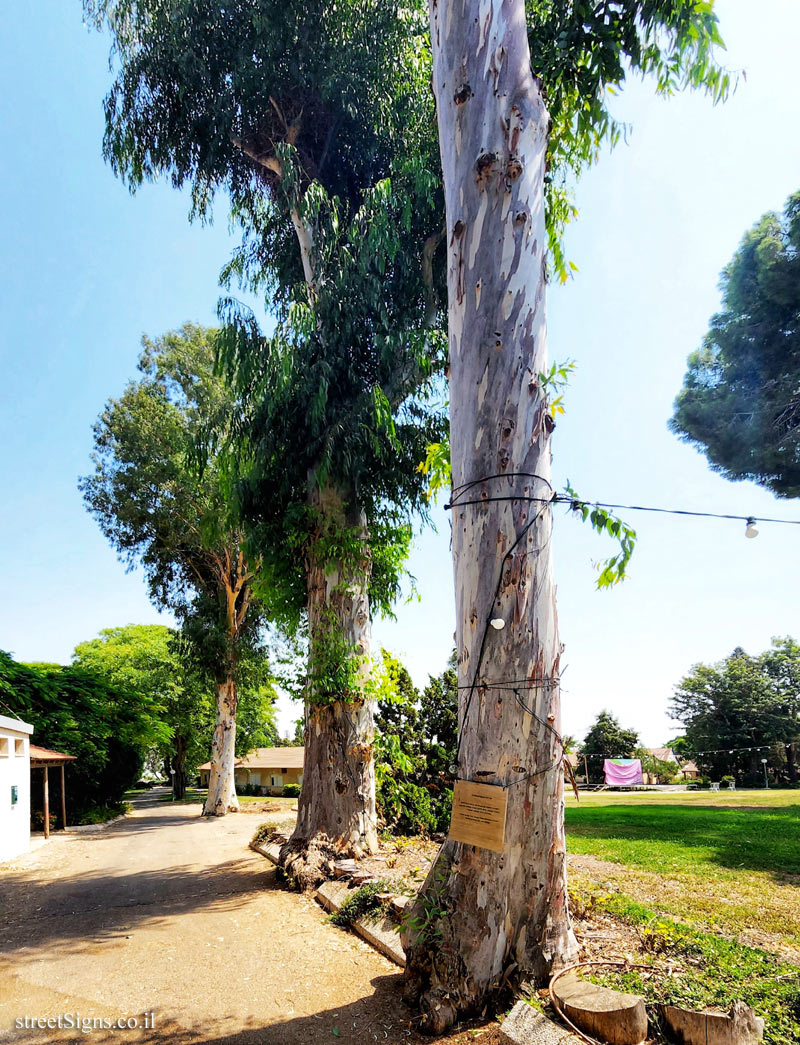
{"x": 318, "y": 116}
{"x": 614, "y": 569}
{"x": 157, "y": 509}
{"x": 342, "y": 395}
{"x": 740, "y": 401}
{"x": 195, "y": 78}
{"x": 198, "y": 81}
{"x": 583, "y": 51}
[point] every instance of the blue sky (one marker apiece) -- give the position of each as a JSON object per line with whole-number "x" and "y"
{"x": 87, "y": 269}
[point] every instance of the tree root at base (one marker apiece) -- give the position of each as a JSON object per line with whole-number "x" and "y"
{"x": 309, "y": 863}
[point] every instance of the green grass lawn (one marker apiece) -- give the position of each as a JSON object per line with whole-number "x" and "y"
{"x": 729, "y": 862}
{"x": 197, "y": 795}
{"x": 726, "y": 866}
{"x": 754, "y": 830}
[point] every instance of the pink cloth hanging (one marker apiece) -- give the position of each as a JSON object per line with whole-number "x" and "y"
{"x": 623, "y": 772}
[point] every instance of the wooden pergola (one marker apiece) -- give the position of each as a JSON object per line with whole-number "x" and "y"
{"x": 44, "y": 758}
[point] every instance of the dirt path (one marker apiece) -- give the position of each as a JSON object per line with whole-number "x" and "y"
{"x": 169, "y": 913}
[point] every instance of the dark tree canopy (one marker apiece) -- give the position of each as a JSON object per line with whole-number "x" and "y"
{"x": 108, "y": 725}
{"x": 607, "y": 739}
{"x": 416, "y": 744}
{"x": 742, "y": 703}
{"x": 740, "y": 401}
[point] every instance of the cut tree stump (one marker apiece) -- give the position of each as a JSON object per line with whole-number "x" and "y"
{"x": 738, "y": 1026}
{"x": 361, "y": 877}
{"x": 400, "y": 905}
{"x": 620, "y": 1019}
{"x": 345, "y": 868}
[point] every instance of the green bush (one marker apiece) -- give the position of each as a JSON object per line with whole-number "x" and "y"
{"x": 443, "y": 807}
{"x": 291, "y": 790}
{"x": 264, "y": 832}
{"x": 405, "y": 807}
{"x": 362, "y": 901}
{"x": 726, "y": 780}
{"x": 102, "y": 814}
{"x": 75, "y": 710}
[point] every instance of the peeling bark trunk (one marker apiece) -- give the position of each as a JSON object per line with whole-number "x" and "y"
{"x": 179, "y": 764}
{"x": 336, "y": 813}
{"x": 494, "y": 918}
{"x": 221, "y": 797}
{"x": 791, "y": 765}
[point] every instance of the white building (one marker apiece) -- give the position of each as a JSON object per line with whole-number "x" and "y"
{"x": 15, "y": 787}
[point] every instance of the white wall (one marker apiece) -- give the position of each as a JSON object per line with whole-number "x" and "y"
{"x": 15, "y": 771}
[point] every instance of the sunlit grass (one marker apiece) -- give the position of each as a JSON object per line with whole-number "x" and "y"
{"x": 728, "y": 861}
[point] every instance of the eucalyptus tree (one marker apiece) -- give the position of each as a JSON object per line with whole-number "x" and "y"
{"x": 158, "y": 511}
{"x": 316, "y": 122}
{"x": 485, "y": 918}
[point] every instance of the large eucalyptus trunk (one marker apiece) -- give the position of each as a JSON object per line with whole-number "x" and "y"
{"x": 179, "y": 765}
{"x": 336, "y": 810}
{"x": 791, "y": 765}
{"x": 221, "y": 797}
{"x": 492, "y": 918}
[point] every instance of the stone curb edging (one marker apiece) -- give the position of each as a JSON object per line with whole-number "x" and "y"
{"x": 524, "y": 1025}
{"x": 380, "y": 934}
{"x": 79, "y": 829}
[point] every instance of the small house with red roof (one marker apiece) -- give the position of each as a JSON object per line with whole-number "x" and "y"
{"x": 269, "y": 769}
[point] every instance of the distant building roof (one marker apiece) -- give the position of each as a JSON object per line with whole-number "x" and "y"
{"x": 269, "y": 758}
{"x": 44, "y": 754}
{"x": 572, "y": 758}
{"x": 689, "y": 767}
{"x": 663, "y": 754}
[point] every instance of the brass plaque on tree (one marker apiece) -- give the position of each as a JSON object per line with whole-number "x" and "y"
{"x": 479, "y": 814}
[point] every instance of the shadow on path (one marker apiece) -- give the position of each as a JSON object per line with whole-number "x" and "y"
{"x": 379, "y": 1016}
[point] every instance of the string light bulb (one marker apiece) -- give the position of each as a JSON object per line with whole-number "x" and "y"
{"x": 497, "y": 623}
{"x": 750, "y": 529}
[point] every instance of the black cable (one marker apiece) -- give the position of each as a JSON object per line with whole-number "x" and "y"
{"x": 523, "y": 532}
{"x": 500, "y": 475}
{"x": 577, "y": 502}
{"x": 549, "y": 680}
{"x": 548, "y": 726}
{"x": 708, "y": 751}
